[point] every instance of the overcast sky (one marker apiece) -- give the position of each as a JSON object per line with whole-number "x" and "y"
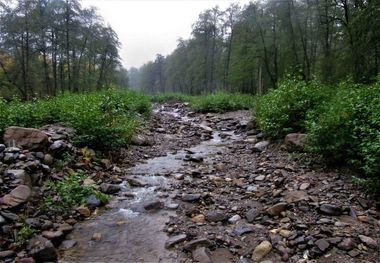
{"x": 148, "y": 27}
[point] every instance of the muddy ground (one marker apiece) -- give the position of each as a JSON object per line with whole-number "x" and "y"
{"x": 199, "y": 188}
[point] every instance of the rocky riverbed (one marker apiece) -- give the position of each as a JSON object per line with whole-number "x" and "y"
{"x": 200, "y": 188}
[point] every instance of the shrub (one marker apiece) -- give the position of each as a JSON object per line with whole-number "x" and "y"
{"x": 70, "y": 192}
{"x": 348, "y": 127}
{"x": 104, "y": 119}
{"x": 222, "y": 102}
{"x": 24, "y": 234}
{"x": 284, "y": 109}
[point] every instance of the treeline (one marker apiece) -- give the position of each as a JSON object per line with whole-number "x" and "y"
{"x": 250, "y": 49}
{"x": 49, "y": 46}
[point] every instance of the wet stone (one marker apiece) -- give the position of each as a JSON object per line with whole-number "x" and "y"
{"x": 191, "y": 197}
{"x": 67, "y": 244}
{"x": 153, "y": 205}
{"x": 201, "y": 242}
{"x": 109, "y": 188}
{"x": 175, "y": 240}
{"x": 93, "y": 202}
{"x": 329, "y": 209}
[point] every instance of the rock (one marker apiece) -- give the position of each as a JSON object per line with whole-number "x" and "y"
{"x": 215, "y": 216}
{"x": 174, "y": 240}
{"x": 96, "y": 236}
{"x": 331, "y": 210}
{"x": 234, "y": 219}
{"x": 25, "y": 138}
{"x": 7, "y": 254}
{"x": 52, "y": 234}
{"x": 109, "y": 188}
{"x": 48, "y": 159}
{"x": 84, "y": 211}
{"x": 67, "y": 244}
{"x": 196, "y": 158}
{"x": 2, "y": 220}
{"x": 27, "y": 260}
{"x": 172, "y": 206}
{"x": 57, "y": 148}
{"x": 322, "y": 244}
{"x": 201, "y": 255}
{"x": 153, "y": 205}
{"x": 222, "y": 255}
{"x": 370, "y": 242}
{"x": 276, "y": 209}
{"x": 88, "y": 182}
{"x": 10, "y": 216}
{"x": 260, "y": 146}
{"x": 285, "y": 233}
{"x": 141, "y": 140}
{"x": 304, "y": 186}
{"x": 346, "y": 244}
{"x": 179, "y": 176}
{"x": 93, "y": 202}
{"x": 2, "y": 148}
{"x": 295, "y": 141}
{"x": 41, "y": 249}
{"x": 261, "y": 250}
{"x": 34, "y": 222}
{"x": 198, "y": 219}
{"x": 190, "y": 197}
{"x": 260, "y": 178}
{"x": 17, "y": 196}
{"x": 354, "y": 253}
{"x": 20, "y": 175}
{"x": 251, "y": 215}
{"x": 295, "y": 196}
{"x": 201, "y": 242}
{"x": 241, "y": 230}
{"x": 135, "y": 182}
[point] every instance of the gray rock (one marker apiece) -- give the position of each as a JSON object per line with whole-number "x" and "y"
{"x": 241, "y": 230}
{"x": 41, "y": 249}
{"x": 322, "y": 244}
{"x": 346, "y": 244}
{"x": 19, "y": 175}
{"x": 2, "y": 147}
{"x": 251, "y": 215}
{"x": 33, "y": 222}
{"x": 135, "y": 182}
{"x": 93, "y": 202}
{"x": 216, "y": 216}
{"x": 295, "y": 141}
{"x": 234, "y": 219}
{"x": 2, "y": 220}
{"x": 260, "y": 146}
{"x": 17, "y": 196}
{"x": 10, "y": 216}
{"x": 67, "y": 244}
{"x": 175, "y": 240}
{"x": 7, "y": 254}
{"x": 202, "y": 255}
{"x": 191, "y": 197}
{"x": 172, "y": 206}
{"x": 368, "y": 241}
{"x": 331, "y": 210}
{"x": 48, "y": 159}
{"x": 109, "y": 188}
{"x": 58, "y": 147}
{"x": 194, "y": 244}
{"x": 142, "y": 140}
{"x": 153, "y": 205}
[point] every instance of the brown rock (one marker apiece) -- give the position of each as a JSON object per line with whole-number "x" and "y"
{"x": 322, "y": 244}
{"x": 41, "y": 249}
{"x": 295, "y": 196}
{"x": 52, "y": 234}
{"x": 6, "y": 254}
{"x": 17, "y": 196}
{"x": 346, "y": 244}
{"x": 276, "y": 209}
{"x": 25, "y": 138}
{"x": 198, "y": 219}
{"x": 295, "y": 141}
{"x": 84, "y": 211}
{"x": 201, "y": 242}
{"x": 202, "y": 255}
{"x": 261, "y": 250}
{"x": 96, "y": 236}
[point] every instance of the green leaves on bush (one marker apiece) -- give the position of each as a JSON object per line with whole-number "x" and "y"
{"x": 70, "y": 192}
{"x": 343, "y": 124}
{"x": 284, "y": 109}
{"x": 104, "y": 119}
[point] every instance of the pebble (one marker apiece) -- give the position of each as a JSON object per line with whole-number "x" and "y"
{"x": 276, "y": 209}
{"x": 175, "y": 240}
{"x": 234, "y": 219}
{"x": 261, "y": 250}
{"x": 191, "y": 197}
{"x": 329, "y": 209}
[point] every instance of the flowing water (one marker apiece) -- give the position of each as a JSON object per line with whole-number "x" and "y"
{"x": 129, "y": 233}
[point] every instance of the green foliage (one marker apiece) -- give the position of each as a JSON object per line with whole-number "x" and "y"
{"x": 284, "y": 109}
{"x": 222, "y": 102}
{"x": 24, "y": 235}
{"x": 348, "y": 127}
{"x": 170, "y": 97}
{"x": 70, "y": 192}
{"x": 101, "y": 119}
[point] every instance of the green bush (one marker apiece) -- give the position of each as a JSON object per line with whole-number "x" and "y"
{"x": 222, "y": 102}
{"x": 347, "y": 129}
{"x": 104, "y": 119}
{"x": 284, "y": 110}
{"x": 24, "y": 234}
{"x": 70, "y": 192}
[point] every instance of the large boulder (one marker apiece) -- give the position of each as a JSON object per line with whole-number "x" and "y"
{"x": 17, "y": 196}
{"x": 26, "y": 138}
{"x": 295, "y": 141}
{"x": 42, "y": 250}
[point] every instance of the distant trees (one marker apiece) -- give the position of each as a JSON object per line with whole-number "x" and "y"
{"x": 48, "y": 46}
{"x": 250, "y": 49}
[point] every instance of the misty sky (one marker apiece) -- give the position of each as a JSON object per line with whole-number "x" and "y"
{"x": 148, "y": 27}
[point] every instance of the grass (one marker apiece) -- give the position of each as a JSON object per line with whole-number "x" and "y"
{"x": 218, "y": 102}
{"x": 102, "y": 120}
{"x": 70, "y": 192}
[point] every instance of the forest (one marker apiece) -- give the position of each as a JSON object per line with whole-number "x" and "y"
{"x": 47, "y": 47}
{"x": 250, "y": 49}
